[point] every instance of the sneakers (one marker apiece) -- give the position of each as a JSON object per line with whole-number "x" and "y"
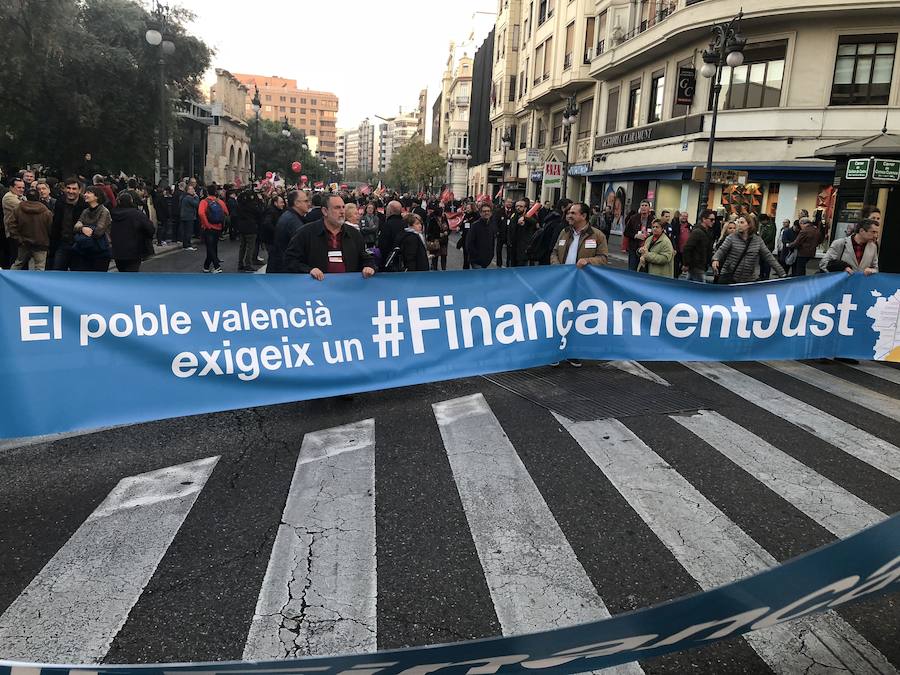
{"x": 575, "y": 363}
{"x": 260, "y": 262}
{"x": 218, "y": 270}
{"x": 206, "y": 270}
{"x": 555, "y": 364}
{"x": 190, "y": 248}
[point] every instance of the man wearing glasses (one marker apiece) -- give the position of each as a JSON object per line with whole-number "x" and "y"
{"x": 698, "y": 248}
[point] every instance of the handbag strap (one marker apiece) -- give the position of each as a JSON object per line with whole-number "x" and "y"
{"x": 743, "y": 253}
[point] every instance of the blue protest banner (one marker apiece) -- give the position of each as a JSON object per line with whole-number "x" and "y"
{"x": 155, "y": 346}
{"x": 862, "y": 566}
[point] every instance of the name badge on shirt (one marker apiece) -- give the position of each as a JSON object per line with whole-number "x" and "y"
{"x": 561, "y": 242}
{"x": 590, "y": 243}
{"x": 335, "y": 256}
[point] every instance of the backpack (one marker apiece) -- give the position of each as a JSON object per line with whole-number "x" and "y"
{"x": 215, "y": 214}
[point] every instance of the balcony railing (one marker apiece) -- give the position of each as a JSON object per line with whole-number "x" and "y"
{"x": 601, "y": 47}
{"x": 588, "y": 55}
{"x": 663, "y": 12}
{"x": 462, "y": 100}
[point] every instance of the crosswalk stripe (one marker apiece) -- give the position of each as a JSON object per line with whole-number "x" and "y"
{"x": 714, "y": 550}
{"x": 859, "y": 395}
{"x": 73, "y": 609}
{"x": 837, "y": 510}
{"x": 534, "y": 577}
{"x": 864, "y": 446}
{"x": 319, "y": 593}
{"x": 639, "y": 370}
{"x": 878, "y": 370}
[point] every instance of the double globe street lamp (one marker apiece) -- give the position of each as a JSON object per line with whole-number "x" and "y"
{"x": 726, "y": 48}
{"x": 257, "y": 106}
{"x": 158, "y": 38}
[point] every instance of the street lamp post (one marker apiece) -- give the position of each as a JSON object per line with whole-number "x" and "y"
{"x": 257, "y": 106}
{"x": 285, "y": 128}
{"x": 725, "y": 48}
{"x": 570, "y": 116}
{"x": 505, "y": 142}
{"x": 157, "y": 38}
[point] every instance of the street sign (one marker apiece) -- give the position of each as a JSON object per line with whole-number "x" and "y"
{"x": 533, "y": 156}
{"x": 886, "y": 169}
{"x": 720, "y": 176}
{"x": 552, "y": 174}
{"x": 858, "y": 168}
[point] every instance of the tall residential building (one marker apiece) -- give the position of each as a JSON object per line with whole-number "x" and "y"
{"x": 351, "y": 150}
{"x": 436, "y": 121}
{"x": 312, "y": 112}
{"x": 367, "y": 150}
{"x": 422, "y": 110}
{"x": 813, "y": 75}
{"x": 396, "y": 132}
{"x": 456, "y": 98}
{"x": 340, "y": 156}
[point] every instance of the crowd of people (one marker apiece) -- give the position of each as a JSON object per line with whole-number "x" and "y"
{"x": 83, "y": 225}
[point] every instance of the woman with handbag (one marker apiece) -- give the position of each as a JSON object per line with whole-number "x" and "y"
{"x": 657, "y": 255}
{"x": 92, "y": 244}
{"x": 131, "y": 232}
{"x": 437, "y": 238}
{"x": 856, "y": 253}
{"x": 737, "y": 259}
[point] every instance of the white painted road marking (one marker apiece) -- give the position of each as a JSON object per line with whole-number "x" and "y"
{"x": 849, "y": 391}
{"x": 532, "y": 573}
{"x": 864, "y": 446}
{"x": 715, "y": 551}
{"x": 831, "y": 506}
{"x": 75, "y": 606}
{"x": 885, "y": 372}
{"x": 320, "y": 590}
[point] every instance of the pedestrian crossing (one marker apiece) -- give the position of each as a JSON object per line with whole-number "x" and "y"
{"x": 322, "y": 591}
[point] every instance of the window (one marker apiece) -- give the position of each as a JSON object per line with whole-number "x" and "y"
{"x": 756, "y": 83}
{"x": 302, "y": 111}
{"x": 570, "y": 45}
{"x": 538, "y": 63}
{"x": 548, "y": 57}
{"x": 612, "y": 110}
{"x": 601, "y": 33}
{"x": 515, "y": 38}
{"x": 293, "y": 99}
{"x": 634, "y": 105}
{"x": 302, "y": 100}
{"x": 589, "y": 39}
{"x": 585, "y": 113}
{"x": 312, "y": 101}
{"x": 512, "y": 87}
{"x": 523, "y": 135}
{"x": 268, "y": 97}
{"x": 521, "y": 83}
{"x": 657, "y": 90}
{"x": 293, "y": 110}
{"x": 282, "y": 99}
{"x": 268, "y": 108}
{"x": 863, "y": 70}
{"x": 556, "y": 136}
{"x": 512, "y": 137}
{"x": 542, "y": 11}
{"x": 528, "y": 20}
{"x": 542, "y": 134}
{"x": 293, "y": 121}
{"x": 281, "y": 108}
{"x": 527, "y": 66}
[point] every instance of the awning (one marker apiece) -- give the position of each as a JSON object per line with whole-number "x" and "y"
{"x": 800, "y": 172}
{"x": 879, "y": 145}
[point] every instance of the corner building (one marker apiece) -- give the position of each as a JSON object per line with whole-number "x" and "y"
{"x": 814, "y": 74}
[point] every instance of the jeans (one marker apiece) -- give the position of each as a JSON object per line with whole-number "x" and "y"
{"x": 697, "y": 275}
{"x": 443, "y": 260}
{"x": 247, "y": 254}
{"x": 633, "y": 260}
{"x": 185, "y": 232}
{"x": 211, "y": 239}
{"x": 64, "y": 258}
{"x": 27, "y": 253}
{"x": 765, "y": 270}
{"x": 500, "y": 245}
{"x": 94, "y": 264}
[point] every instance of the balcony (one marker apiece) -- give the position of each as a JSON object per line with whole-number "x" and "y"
{"x": 462, "y": 100}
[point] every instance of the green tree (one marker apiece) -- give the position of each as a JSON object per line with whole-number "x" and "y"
{"x": 79, "y": 76}
{"x": 275, "y": 152}
{"x": 416, "y": 166}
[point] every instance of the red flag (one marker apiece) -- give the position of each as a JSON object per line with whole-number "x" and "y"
{"x": 454, "y": 219}
{"x": 534, "y": 209}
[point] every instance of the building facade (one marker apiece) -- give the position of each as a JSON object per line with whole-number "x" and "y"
{"x": 814, "y": 74}
{"x": 228, "y": 158}
{"x": 314, "y": 113}
{"x": 458, "y": 95}
{"x": 340, "y": 156}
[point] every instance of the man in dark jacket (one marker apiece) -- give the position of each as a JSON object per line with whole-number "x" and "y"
{"x": 480, "y": 240}
{"x": 637, "y": 228}
{"x": 329, "y": 246}
{"x": 805, "y": 243}
{"x": 698, "y": 248}
{"x": 247, "y": 220}
{"x": 392, "y": 230}
{"x": 502, "y": 218}
{"x": 521, "y": 230}
{"x": 552, "y": 227}
{"x": 62, "y": 230}
{"x": 289, "y": 223}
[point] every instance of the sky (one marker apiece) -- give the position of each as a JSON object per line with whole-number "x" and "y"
{"x": 375, "y": 56}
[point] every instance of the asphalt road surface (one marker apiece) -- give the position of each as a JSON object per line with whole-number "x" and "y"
{"x": 452, "y": 511}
